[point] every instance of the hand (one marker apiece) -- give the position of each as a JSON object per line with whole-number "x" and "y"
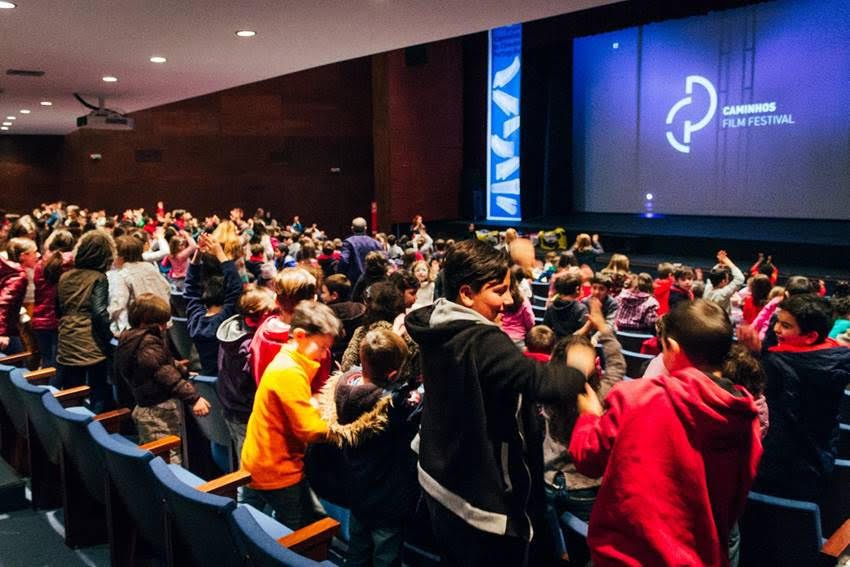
{"x": 698, "y": 275}
{"x": 596, "y": 317}
{"x": 588, "y": 402}
{"x": 748, "y": 337}
{"x": 761, "y": 256}
{"x": 201, "y": 407}
{"x": 595, "y": 238}
{"x": 722, "y": 257}
{"x": 582, "y": 358}
{"x": 584, "y": 329}
{"x": 4, "y": 343}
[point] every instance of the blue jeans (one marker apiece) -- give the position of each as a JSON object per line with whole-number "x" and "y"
{"x": 94, "y": 375}
{"x": 379, "y": 547}
{"x": 15, "y": 346}
{"x": 47, "y": 342}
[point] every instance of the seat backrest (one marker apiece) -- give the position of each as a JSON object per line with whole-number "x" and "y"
{"x": 260, "y": 548}
{"x": 11, "y": 401}
{"x": 636, "y": 363}
{"x": 631, "y": 341}
{"x": 200, "y": 520}
{"x": 80, "y": 447}
{"x": 31, "y": 397}
{"x": 129, "y": 473}
{"x": 835, "y": 506}
{"x": 780, "y": 531}
{"x": 844, "y": 408}
{"x": 212, "y": 425}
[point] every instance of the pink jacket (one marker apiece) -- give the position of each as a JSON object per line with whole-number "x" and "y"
{"x": 13, "y": 286}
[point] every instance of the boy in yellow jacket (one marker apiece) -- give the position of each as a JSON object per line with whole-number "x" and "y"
{"x": 284, "y": 420}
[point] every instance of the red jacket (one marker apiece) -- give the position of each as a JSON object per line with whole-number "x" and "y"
{"x": 44, "y": 310}
{"x": 679, "y": 454}
{"x": 270, "y": 336}
{"x": 661, "y": 290}
{"x": 13, "y": 287}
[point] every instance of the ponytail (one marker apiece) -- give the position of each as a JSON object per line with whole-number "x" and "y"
{"x": 57, "y": 243}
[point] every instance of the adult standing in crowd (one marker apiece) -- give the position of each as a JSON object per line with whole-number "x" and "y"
{"x": 354, "y": 250}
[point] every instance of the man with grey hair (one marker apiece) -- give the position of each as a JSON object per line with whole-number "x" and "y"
{"x": 354, "y": 250}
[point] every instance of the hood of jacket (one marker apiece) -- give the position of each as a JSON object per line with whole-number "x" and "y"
{"x": 633, "y": 297}
{"x": 348, "y": 310}
{"x": 354, "y": 411}
{"x": 716, "y": 416}
{"x": 443, "y": 318}
{"x": 130, "y": 342}
{"x": 231, "y": 333}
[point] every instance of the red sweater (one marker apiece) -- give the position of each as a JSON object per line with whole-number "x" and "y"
{"x": 679, "y": 454}
{"x": 661, "y": 290}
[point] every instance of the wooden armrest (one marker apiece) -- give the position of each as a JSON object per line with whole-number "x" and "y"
{"x": 226, "y": 484}
{"x": 837, "y": 542}
{"x": 161, "y": 446}
{"x": 312, "y": 541}
{"x": 14, "y": 359}
{"x": 111, "y": 420}
{"x": 40, "y": 376}
{"x": 71, "y": 396}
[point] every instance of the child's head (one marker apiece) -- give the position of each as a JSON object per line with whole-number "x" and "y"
{"x": 719, "y": 276}
{"x": 618, "y": 263}
{"x": 213, "y": 291}
{"x": 148, "y": 310}
{"x": 313, "y": 328}
{"x": 227, "y": 235}
{"x": 95, "y": 250}
{"x": 336, "y": 288}
{"x": 551, "y": 258}
{"x": 255, "y": 304}
{"x": 257, "y": 251}
{"x": 684, "y": 276}
{"x": 129, "y": 249}
{"x": 583, "y": 241}
{"x": 803, "y": 320}
{"x": 798, "y": 285}
{"x": 698, "y": 289}
{"x": 376, "y": 265}
{"x": 840, "y": 307}
{"x": 759, "y": 288}
{"x": 407, "y": 284}
{"x": 540, "y": 339}
{"x": 422, "y": 271}
{"x": 293, "y": 285}
{"x": 177, "y": 243}
{"x": 566, "y": 260}
{"x": 382, "y": 352}
{"x": 476, "y": 276}
{"x": 644, "y": 282}
{"x": 567, "y": 285}
{"x": 23, "y": 251}
{"x": 601, "y": 285}
{"x": 776, "y": 291}
{"x": 384, "y": 302}
{"x": 697, "y": 333}
{"x": 665, "y": 270}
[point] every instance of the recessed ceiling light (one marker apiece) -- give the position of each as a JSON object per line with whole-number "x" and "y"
{"x": 4, "y": 127}
{"x": 24, "y": 111}
{"x": 110, "y": 79}
{"x": 7, "y": 124}
{"x": 11, "y": 118}
{"x": 46, "y": 103}
{"x": 158, "y": 59}
{"x": 7, "y": 5}
{"x": 246, "y": 33}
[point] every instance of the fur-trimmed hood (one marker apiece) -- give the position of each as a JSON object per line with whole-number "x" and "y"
{"x": 354, "y": 411}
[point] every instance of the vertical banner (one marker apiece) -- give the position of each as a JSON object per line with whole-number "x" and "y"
{"x": 503, "y": 110}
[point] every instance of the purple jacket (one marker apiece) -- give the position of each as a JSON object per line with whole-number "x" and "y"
{"x": 353, "y": 255}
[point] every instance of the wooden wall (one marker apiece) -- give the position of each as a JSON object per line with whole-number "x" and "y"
{"x": 30, "y": 171}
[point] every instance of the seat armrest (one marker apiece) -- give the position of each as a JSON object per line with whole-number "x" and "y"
{"x": 226, "y": 485}
{"x": 838, "y": 541}
{"x": 41, "y": 376}
{"x": 14, "y": 359}
{"x": 312, "y": 541}
{"x": 111, "y": 420}
{"x": 162, "y": 446}
{"x": 72, "y": 396}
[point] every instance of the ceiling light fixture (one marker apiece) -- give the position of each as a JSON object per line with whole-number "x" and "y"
{"x": 110, "y": 79}
{"x": 24, "y": 111}
{"x": 4, "y": 127}
{"x": 46, "y": 103}
{"x": 7, "y": 124}
{"x": 7, "y": 5}
{"x": 11, "y": 118}
{"x": 246, "y": 33}
{"x": 158, "y": 59}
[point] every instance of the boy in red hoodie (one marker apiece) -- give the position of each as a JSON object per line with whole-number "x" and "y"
{"x": 677, "y": 453}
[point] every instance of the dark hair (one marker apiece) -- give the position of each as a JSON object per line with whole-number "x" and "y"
{"x": 375, "y": 265}
{"x": 340, "y": 285}
{"x": 767, "y": 268}
{"x": 58, "y": 242}
{"x": 213, "y": 293}
{"x": 540, "y": 339}
{"x": 383, "y": 303}
{"x": 602, "y": 278}
{"x": 840, "y": 306}
{"x": 566, "y": 260}
{"x": 741, "y": 367}
{"x": 129, "y": 248}
{"x": 381, "y": 352}
{"x": 391, "y": 239}
{"x": 315, "y": 318}
{"x": 567, "y": 284}
{"x": 841, "y": 288}
{"x": 148, "y": 309}
{"x": 404, "y": 280}
{"x": 94, "y": 251}
{"x": 644, "y": 282}
{"x": 760, "y": 287}
{"x": 702, "y": 329}
{"x": 517, "y": 275}
{"x": 683, "y": 272}
{"x": 559, "y": 354}
{"x": 717, "y": 275}
{"x": 665, "y": 269}
{"x": 472, "y": 263}
{"x": 255, "y": 303}
{"x": 812, "y": 313}
{"x": 797, "y": 285}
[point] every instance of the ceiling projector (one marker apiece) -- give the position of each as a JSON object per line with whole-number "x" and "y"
{"x": 101, "y": 118}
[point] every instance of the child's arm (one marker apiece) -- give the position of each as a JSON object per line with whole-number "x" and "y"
{"x": 594, "y": 433}
{"x": 192, "y": 293}
{"x": 615, "y": 362}
{"x": 190, "y": 248}
{"x": 232, "y": 288}
{"x": 596, "y": 245}
{"x": 303, "y": 417}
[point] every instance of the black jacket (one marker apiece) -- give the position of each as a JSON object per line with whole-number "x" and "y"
{"x": 475, "y": 455}
{"x": 236, "y": 386}
{"x": 804, "y": 390}
{"x": 565, "y": 317}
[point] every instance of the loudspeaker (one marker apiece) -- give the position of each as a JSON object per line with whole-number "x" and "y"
{"x": 416, "y": 56}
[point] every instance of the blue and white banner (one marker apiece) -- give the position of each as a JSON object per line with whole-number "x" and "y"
{"x": 503, "y": 110}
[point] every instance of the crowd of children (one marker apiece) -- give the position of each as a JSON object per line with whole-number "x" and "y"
{"x": 419, "y": 362}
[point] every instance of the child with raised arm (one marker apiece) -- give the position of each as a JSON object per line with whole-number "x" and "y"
{"x": 677, "y": 453}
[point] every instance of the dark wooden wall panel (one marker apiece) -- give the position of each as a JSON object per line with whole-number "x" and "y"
{"x": 30, "y": 170}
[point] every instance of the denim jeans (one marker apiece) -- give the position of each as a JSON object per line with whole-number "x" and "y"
{"x": 94, "y": 375}
{"x": 47, "y": 341}
{"x": 378, "y": 547}
{"x": 293, "y": 506}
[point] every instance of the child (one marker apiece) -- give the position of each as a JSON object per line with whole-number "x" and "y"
{"x": 373, "y": 422}
{"x": 283, "y": 420}
{"x": 518, "y": 317}
{"x": 841, "y": 311}
{"x": 236, "y": 385}
{"x": 806, "y": 375}
{"x": 181, "y": 247}
{"x": 759, "y": 292}
{"x": 45, "y": 322}
{"x": 158, "y": 383}
{"x": 566, "y": 314}
{"x": 723, "y": 281}
{"x": 586, "y": 249}
{"x": 678, "y": 451}
{"x": 425, "y": 293}
{"x": 13, "y": 287}
{"x": 539, "y": 342}
{"x": 683, "y": 281}
{"x": 602, "y": 288}
{"x": 661, "y": 286}
{"x": 638, "y": 308}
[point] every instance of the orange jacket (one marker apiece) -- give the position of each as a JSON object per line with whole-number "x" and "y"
{"x": 282, "y": 422}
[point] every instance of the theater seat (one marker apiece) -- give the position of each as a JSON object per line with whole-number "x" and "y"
{"x": 636, "y": 363}
{"x": 631, "y": 341}
{"x": 260, "y": 548}
{"x": 213, "y": 426}
{"x": 13, "y": 423}
{"x": 779, "y": 532}
{"x": 835, "y": 506}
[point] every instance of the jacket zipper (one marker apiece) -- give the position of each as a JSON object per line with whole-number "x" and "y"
{"x": 525, "y": 466}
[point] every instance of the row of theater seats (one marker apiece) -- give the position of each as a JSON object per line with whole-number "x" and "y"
{"x": 112, "y": 490}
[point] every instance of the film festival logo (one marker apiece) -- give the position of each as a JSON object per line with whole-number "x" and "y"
{"x": 690, "y": 128}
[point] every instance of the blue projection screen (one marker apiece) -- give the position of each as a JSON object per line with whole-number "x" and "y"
{"x": 736, "y": 113}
